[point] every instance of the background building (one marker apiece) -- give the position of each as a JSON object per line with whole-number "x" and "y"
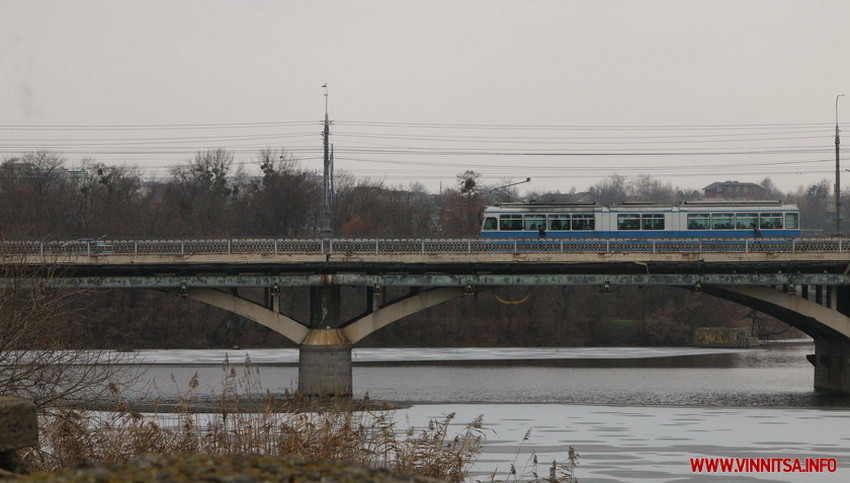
{"x": 734, "y": 190}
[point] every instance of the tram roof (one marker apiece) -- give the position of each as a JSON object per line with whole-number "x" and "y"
{"x": 684, "y": 205}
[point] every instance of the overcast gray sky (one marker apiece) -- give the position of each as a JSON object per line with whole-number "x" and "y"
{"x": 564, "y": 92}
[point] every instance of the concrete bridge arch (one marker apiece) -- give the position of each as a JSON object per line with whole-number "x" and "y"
{"x": 814, "y": 319}
{"x": 351, "y": 332}
{"x": 325, "y": 344}
{"x": 828, "y": 326}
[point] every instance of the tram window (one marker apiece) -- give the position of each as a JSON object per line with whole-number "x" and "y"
{"x": 698, "y": 221}
{"x": 792, "y": 221}
{"x": 559, "y": 222}
{"x": 653, "y": 221}
{"x": 534, "y": 222}
{"x": 770, "y": 221}
{"x": 722, "y": 221}
{"x": 490, "y": 223}
{"x": 584, "y": 222}
{"x": 628, "y": 222}
{"x": 746, "y": 221}
{"x": 510, "y": 222}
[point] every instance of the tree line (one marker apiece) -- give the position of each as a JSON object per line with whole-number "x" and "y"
{"x": 43, "y": 196}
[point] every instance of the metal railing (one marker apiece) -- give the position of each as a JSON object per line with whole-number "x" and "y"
{"x": 275, "y": 246}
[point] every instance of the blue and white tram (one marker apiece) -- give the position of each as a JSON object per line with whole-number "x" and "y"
{"x": 690, "y": 219}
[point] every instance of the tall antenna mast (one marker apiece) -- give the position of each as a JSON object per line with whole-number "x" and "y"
{"x": 327, "y": 179}
{"x": 837, "y": 173}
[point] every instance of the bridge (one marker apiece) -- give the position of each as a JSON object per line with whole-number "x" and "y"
{"x": 803, "y": 282}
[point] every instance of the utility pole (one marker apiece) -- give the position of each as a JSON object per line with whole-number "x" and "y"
{"x": 327, "y": 180}
{"x": 837, "y": 172}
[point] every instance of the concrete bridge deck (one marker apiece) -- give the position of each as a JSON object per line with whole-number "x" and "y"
{"x": 447, "y": 269}
{"x": 804, "y": 282}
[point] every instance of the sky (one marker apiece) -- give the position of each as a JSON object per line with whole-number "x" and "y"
{"x": 564, "y": 92}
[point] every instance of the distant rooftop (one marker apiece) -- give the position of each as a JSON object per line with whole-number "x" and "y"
{"x": 731, "y": 183}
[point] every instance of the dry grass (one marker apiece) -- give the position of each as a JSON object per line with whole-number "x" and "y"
{"x": 331, "y": 432}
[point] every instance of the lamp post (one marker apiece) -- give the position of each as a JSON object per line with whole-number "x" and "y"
{"x": 837, "y": 172}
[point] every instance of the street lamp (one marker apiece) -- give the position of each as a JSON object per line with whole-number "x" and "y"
{"x": 837, "y": 173}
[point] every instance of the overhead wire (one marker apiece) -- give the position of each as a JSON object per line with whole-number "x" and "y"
{"x": 403, "y": 144}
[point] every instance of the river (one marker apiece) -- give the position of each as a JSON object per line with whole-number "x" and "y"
{"x": 632, "y": 414}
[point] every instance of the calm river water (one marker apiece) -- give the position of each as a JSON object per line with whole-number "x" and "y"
{"x": 632, "y": 414}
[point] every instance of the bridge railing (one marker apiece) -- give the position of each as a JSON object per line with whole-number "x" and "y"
{"x": 214, "y": 246}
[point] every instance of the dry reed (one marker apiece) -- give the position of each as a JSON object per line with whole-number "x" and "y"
{"x": 329, "y": 432}
{"x": 557, "y": 472}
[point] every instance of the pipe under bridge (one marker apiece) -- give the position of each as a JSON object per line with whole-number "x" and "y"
{"x": 802, "y": 282}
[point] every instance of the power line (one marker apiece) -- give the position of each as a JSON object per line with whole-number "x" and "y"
{"x": 86, "y": 127}
{"x": 578, "y": 127}
{"x": 537, "y": 148}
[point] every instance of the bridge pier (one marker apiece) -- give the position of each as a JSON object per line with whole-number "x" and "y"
{"x": 832, "y": 366}
{"x": 324, "y": 356}
{"x": 832, "y": 356}
{"x": 324, "y": 364}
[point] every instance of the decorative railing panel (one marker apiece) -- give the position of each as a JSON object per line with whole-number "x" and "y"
{"x": 222, "y": 246}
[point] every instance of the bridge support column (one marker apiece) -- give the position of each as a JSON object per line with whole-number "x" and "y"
{"x": 832, "y": 366}
{"x": 324, "y": 356}
{"x": 324, "y": 364}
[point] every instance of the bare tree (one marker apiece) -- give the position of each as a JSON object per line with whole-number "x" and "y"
{"x": 42, "y": 168}
{"x": 201, "y": 193}
{"x": 646, "y": 188}
{"x": 771, "y": 192}
{"x": 284, "y": 202}
{"x": 816, "y": 207}
{"x": 39, "y": 354}
{"x": 371, "y": 209}
{"x": 35, "y": 195}
{"x": 108, "y": 200}
{"x": 468, "y": 183}
{"x": 609, "y": 191}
